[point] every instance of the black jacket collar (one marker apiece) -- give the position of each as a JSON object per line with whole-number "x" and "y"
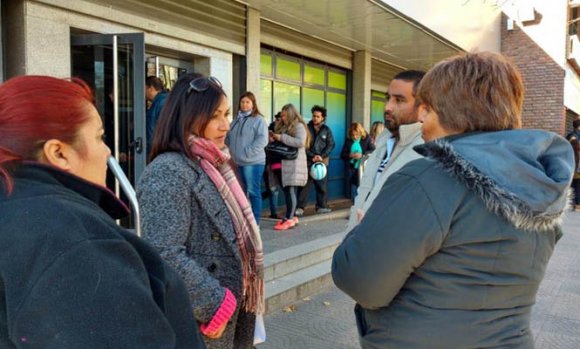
{"x": 97, "y": 194}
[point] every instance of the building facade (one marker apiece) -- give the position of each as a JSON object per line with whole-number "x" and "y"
{"x": 337, "y": 53}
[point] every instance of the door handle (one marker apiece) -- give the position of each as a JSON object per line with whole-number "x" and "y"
{"x": 137, "y": 144}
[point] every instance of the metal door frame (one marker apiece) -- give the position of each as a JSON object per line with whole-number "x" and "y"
{"x": 137, "y": 40}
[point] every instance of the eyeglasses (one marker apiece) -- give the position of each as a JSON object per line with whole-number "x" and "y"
{"x": 203, "y": 83}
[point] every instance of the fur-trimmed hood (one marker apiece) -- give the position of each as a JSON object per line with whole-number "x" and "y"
{"x": 522, "y": 175}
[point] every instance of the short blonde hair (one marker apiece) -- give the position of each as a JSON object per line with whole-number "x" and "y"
{"x": 474, "y": 92}
{"x": 358, "y": 128}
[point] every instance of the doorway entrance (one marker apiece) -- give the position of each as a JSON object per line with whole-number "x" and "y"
{"x": 113, "y": 65}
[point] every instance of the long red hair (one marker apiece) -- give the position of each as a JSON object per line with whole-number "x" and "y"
{"x": 34, "y": 109}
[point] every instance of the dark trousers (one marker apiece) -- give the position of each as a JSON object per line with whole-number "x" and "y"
{"x": 321, "y": 193}
{"x": 576, "y": 187}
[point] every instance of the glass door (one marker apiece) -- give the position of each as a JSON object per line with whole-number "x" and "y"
{"x": 114, "y": 66}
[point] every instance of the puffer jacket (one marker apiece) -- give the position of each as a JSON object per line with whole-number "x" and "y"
{"x": 295, "y": 172}
{"x": 453, "y": 249}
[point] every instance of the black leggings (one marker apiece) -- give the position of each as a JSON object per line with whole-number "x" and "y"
{"x": 290, "y": 197}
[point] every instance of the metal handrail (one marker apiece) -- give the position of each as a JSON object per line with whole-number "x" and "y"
{"x": 127, "y": 188}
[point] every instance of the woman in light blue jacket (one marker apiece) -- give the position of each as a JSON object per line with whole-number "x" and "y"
{"x": 246, "y": 140}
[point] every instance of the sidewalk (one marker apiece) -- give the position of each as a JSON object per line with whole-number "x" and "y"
{"x": 325, "y": 321}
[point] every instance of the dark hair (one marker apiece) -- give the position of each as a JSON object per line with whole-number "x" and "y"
{"x": 319, "y": 108}
{"x": 185, "y": 112}
{"x": 155, "y": 82}
{"x": 480, "y": 91}
{"x": 277, "y": 116}
{"x": 34, "y": 109}
{"x": 576, "y": 123}
{"x": 413, "y": 76}
{"x": 249, "y": 95}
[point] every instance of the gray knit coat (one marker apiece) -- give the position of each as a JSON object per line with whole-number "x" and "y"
{"x": 186, "y": 219}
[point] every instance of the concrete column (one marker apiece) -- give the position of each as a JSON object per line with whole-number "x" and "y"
{"x": 47, "y": 47}
{"x": 361, "y": 89}
{"x": 253, "y": 52}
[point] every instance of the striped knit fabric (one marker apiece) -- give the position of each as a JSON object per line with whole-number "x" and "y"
{"x": 215, "y": 164}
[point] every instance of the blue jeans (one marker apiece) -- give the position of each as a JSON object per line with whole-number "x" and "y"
{"x": 251, "y": 177}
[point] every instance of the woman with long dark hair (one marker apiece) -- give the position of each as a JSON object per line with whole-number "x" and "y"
{"x": 69, "y": 276}
{"x": 196, "y": 213}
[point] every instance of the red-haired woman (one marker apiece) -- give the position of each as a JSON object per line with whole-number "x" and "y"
{"x": 69, "y": 276}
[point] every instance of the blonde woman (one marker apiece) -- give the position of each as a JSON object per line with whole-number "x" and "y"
{"x": 376, "y": 129}
{"x": 292, "y": 131}
{"x": 357, "y": 147}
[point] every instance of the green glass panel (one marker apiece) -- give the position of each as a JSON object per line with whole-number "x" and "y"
{"x": 310, "y": 98}
{"x": 265, "y": 105}
{"x": 336, "y": 80}
{"x": 336, "y": 120}
{"x": 286, "y": 69}
{"x": 378, "y": 95}
{"x": 313, "y": 75}
{"x": 377, "y": 110}
{"x": 284, "y": 94}
{"x": 265, "y": 64}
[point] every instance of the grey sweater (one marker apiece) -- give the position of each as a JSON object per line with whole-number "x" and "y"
{"x": 247, "y": 139}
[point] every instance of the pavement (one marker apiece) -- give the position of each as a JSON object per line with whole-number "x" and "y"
{"x": 326, "y": 321}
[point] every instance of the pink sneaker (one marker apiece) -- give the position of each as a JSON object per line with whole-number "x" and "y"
{"x": 284, "y": 224}
{"x": 295, "y": 219}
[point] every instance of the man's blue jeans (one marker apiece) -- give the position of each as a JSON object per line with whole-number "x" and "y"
{"x": 251, "y": 177}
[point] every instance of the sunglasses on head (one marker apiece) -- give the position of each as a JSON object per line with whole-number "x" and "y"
{"x": 203, "y": 83}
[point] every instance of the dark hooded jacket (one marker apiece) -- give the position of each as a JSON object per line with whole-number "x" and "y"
{"x": 453, "y": 250}
{"x": 71, "y": 278}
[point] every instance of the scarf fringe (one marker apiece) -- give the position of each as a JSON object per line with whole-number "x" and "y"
{"x": 215, "y": 163}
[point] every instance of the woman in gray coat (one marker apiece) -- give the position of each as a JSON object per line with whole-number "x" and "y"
{"x": 197, "y": 215}
{"x": 292, "y": 131}
{"x": 453, "y": 250}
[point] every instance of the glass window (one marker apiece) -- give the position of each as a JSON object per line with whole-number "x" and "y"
{"x": 284, "y": 94}
{"x": 265, "y": 105}
{"x": 287, "y": 69}
{"x": 310, "y": 98}
{"x": 377, "y": 110}
{"x": 265, "y": 64}
{"x": 336, "y": 80}
{"x": 378, "y": 95}
{"x": 313, "y": 75}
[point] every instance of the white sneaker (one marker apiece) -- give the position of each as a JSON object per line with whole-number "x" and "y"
{"x": 299, "y": 212}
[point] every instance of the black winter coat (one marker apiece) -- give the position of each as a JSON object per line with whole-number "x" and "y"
{"x": 321, "y": 142}
{"x": 72, "y": 278}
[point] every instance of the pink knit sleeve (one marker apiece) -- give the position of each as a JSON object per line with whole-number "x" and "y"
{"x": 222, "y": 315}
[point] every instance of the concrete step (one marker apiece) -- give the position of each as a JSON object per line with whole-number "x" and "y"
{"x": 289, "y": 260}
{"x": 298, "y": 285}
{"x": 299, "y": 271}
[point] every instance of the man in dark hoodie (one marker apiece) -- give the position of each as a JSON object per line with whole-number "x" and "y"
{"x": 321, "y": 145}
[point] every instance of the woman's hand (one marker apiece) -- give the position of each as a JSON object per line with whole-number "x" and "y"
{"x": 355, "y": 156}
{"x": 277, "y": 136}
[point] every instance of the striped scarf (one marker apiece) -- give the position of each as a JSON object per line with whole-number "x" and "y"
{"x": 215, "y": 164}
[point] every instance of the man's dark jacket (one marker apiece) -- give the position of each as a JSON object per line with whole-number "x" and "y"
{"x": 321, "y": 142}
{"x": 72, "y": 278}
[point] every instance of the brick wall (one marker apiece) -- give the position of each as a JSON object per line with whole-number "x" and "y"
{"x": 543, "y": 80}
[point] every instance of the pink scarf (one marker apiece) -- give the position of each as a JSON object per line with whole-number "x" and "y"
{"x": 215, "y": 164}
